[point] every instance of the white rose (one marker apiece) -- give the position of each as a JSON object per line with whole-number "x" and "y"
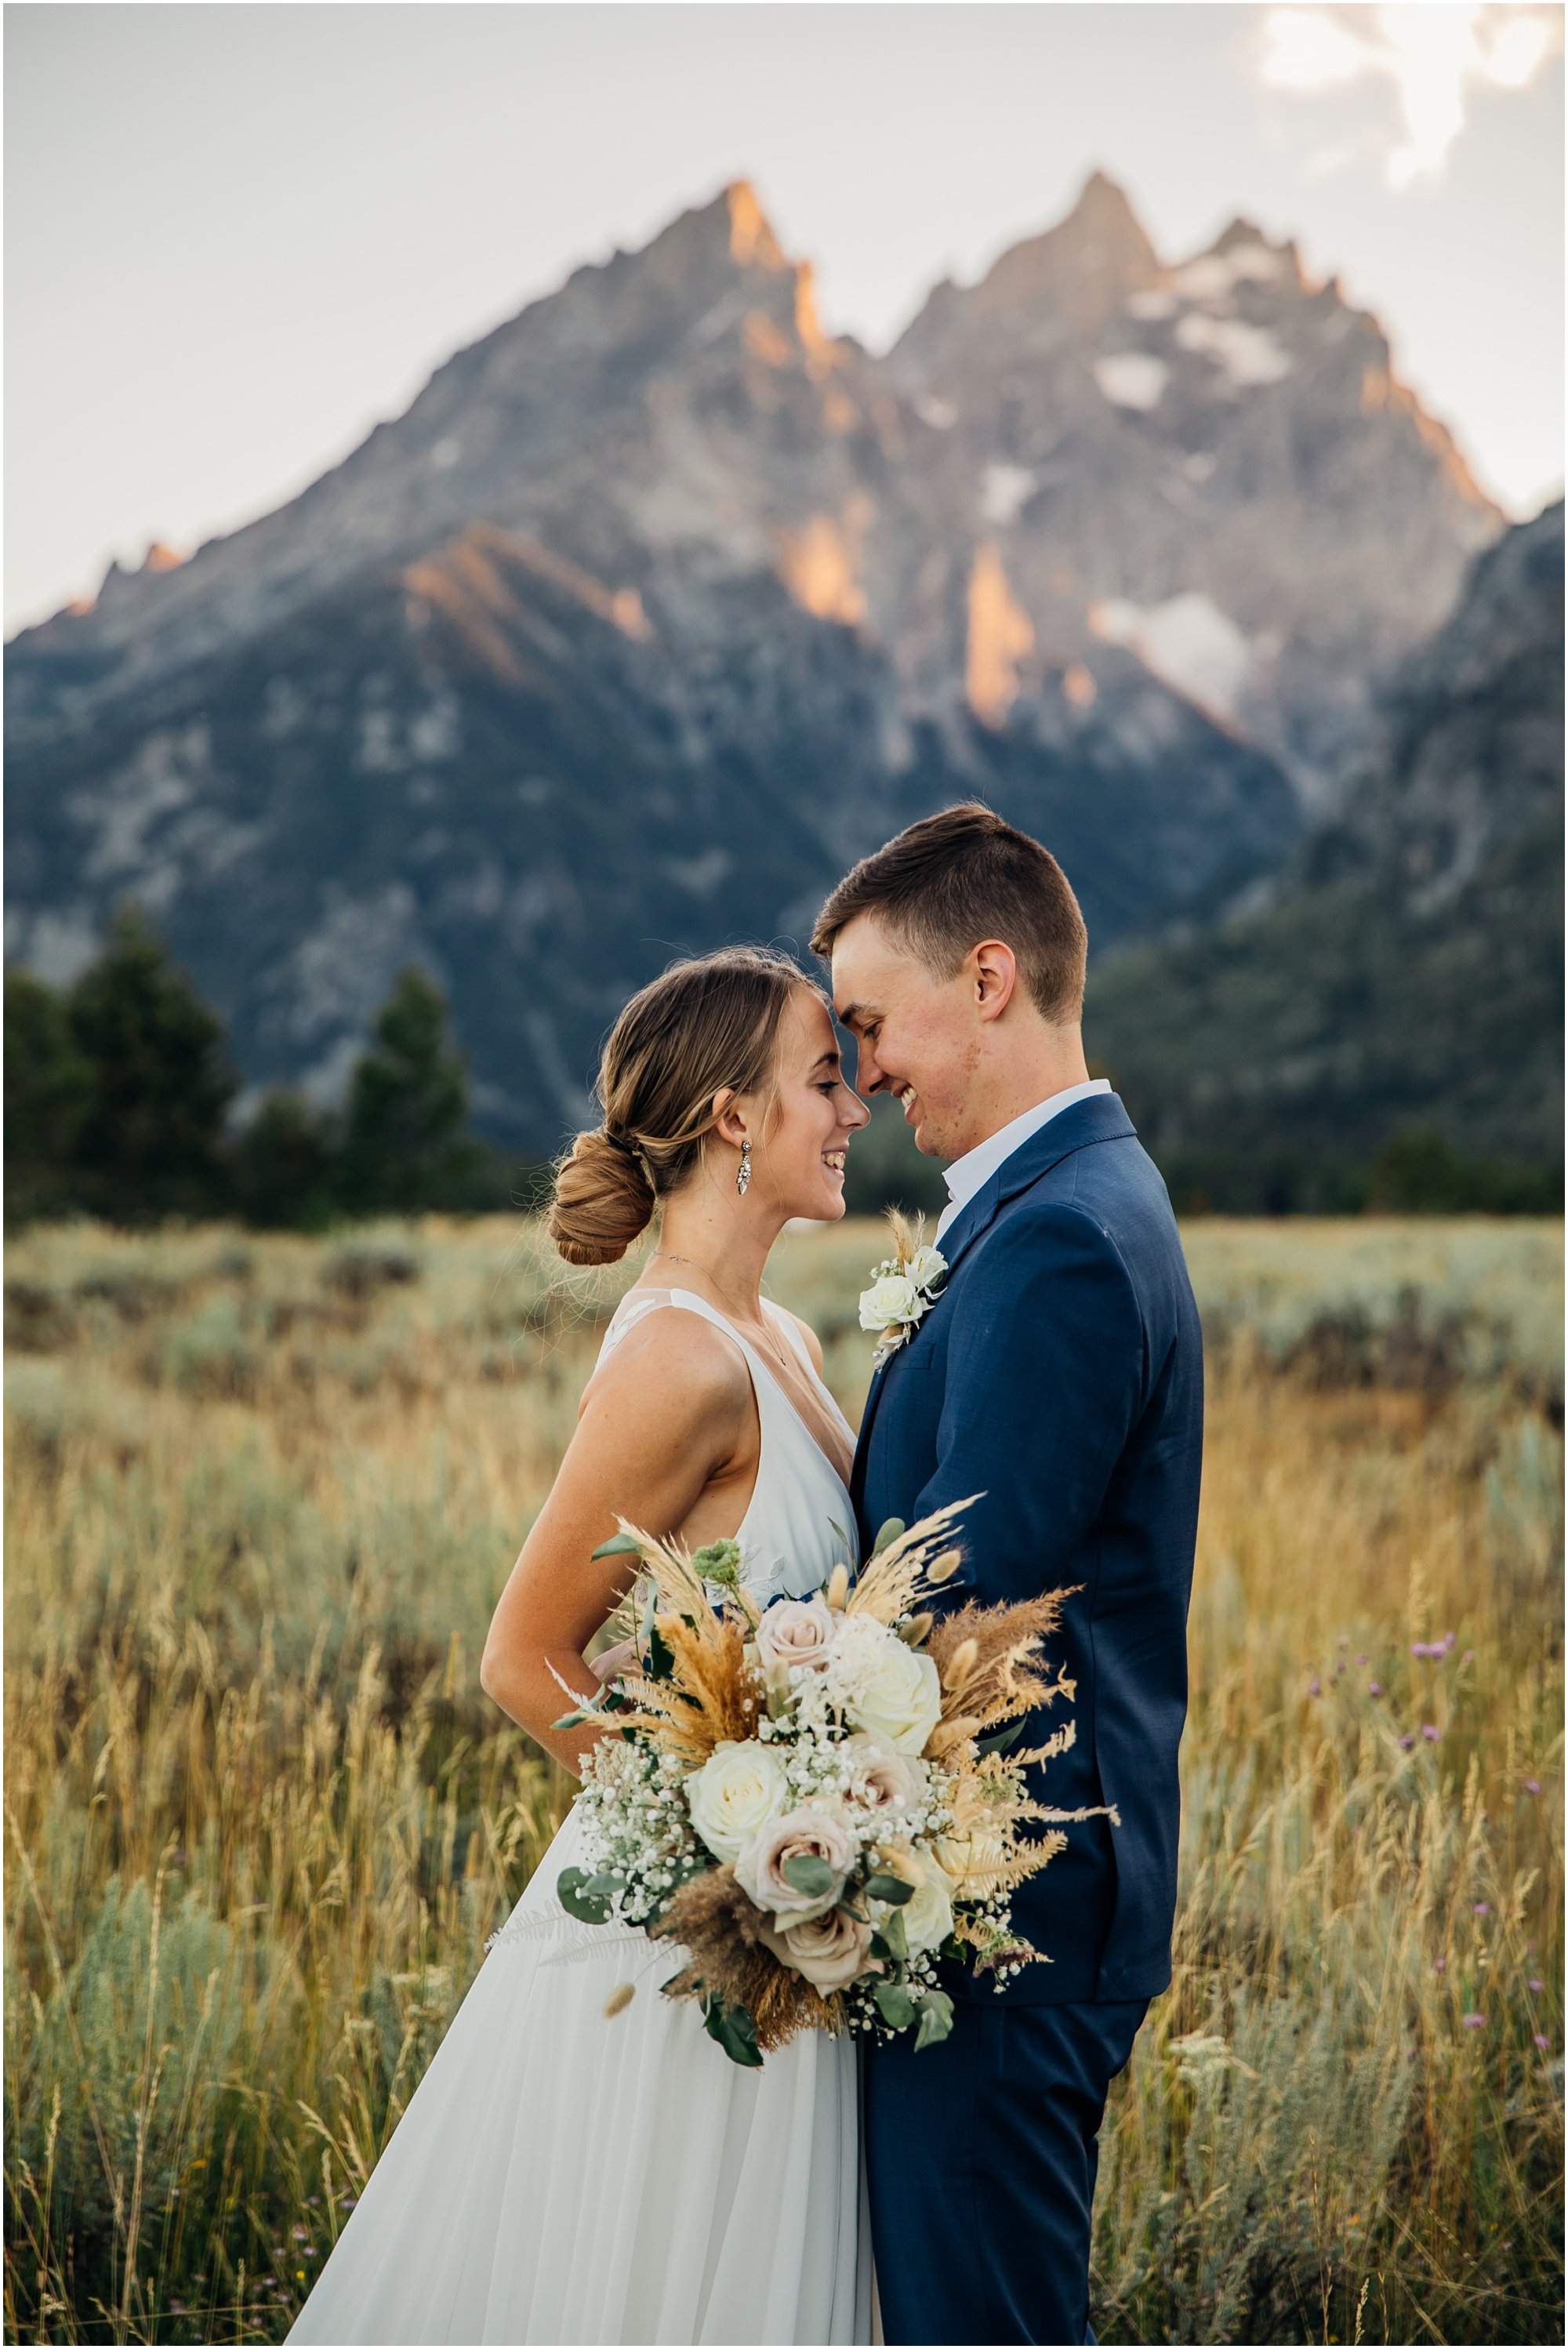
{"x": 808, "y": 1833}
{"x": 738, "y": 1790}
{"x": 882, "y": 1779}
{"x": 899, "y": 1698}
{"x": 828, "y": 1951}
{"x": 927, "y": 1265}
{"x": 887, "y": 1302}
{"x": 797, "y": 1632}
{"x": 928, "y": 1913}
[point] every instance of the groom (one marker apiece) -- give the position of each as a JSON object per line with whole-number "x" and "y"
{"x": 1058, "y": 1376}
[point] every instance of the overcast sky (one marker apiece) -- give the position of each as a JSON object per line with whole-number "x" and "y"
{"x": 236, "y": 236}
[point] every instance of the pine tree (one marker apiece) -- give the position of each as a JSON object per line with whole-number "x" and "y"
{"x": 287, "y": 1173}
{"x": 48, "y": 1091}
{"x": 151, "y": 1141}
{"x": 405, "y": 1145}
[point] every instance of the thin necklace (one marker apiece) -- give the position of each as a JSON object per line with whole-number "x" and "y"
{"x": 670, "y": 1258}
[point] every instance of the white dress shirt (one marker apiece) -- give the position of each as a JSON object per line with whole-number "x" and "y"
{"x": 974, "y": 1169}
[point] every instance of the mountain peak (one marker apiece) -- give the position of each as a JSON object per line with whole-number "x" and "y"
{"x": 751, "y": 238}
{"x": 1084, "y": 266}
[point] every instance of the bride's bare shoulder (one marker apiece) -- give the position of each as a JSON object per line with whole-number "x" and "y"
{"x": 693, "y": 1369}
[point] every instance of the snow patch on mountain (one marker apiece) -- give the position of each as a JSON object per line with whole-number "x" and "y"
{"x": 1004, "y": 492}
{"x": 1214, "y": 276}
{"x": 1132, "y": 379}
{"x": 1247, "y": 356}
{"x": 1188, "y": 642}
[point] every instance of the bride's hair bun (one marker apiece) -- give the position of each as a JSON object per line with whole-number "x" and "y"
{"x": 604, "y": 1199}
{"x": 708, "y": 1025}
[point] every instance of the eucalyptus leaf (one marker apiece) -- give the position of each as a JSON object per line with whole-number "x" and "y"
{"x": 618, "y": 1546}
{"x": 571, "y": 1890}
{"x": 734, "y": 2030}
{"x": 887, "y": 1531}
{"x": 895, "y": 1935}
{"x": 936, "y": 2020}
{"x": 1003, "y": 1741}
{"x": 895, "y": 2004}
{"x": 891, "y": 1888}
{"x": 809, "y": 1874}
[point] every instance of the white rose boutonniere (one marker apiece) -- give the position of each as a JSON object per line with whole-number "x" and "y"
{"x": 904, "y": 1287}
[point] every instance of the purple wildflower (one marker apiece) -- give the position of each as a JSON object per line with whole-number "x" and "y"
{"x": 1373, "y": 1688}
{"x": 1473, "y": 2022}
{"x": 1534, "y": 1986}
{"x": 1430, "y": 1731}
{"x": 1420, "y": 1648}
{"x": 1439, "y": 1965}
{"x": 1533, "y": 1785}
{"x": 1541, "y": 2040}
{"x": 1468, "y": 1656}
{"x": 268, "y": 2279}
{"x": 1483, "y": 1908}
{"x": 1363, "y": 1660}
{"x": 1408, "y": 1740}
{"x": 1449, "y": 1641}
{"x": 1314, "y": 1688}
{"x": 301, "y": 2234}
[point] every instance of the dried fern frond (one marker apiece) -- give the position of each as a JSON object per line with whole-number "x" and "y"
{"x": 711, "y": 1917}
{"x": 989, "y": 1662}
{"x": 897, "y": 1576}
{"x": 678, "y": 1580}
{"x": 710, "y": 1695}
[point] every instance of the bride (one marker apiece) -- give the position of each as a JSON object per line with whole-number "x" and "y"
{"x": 573, "y": 2169}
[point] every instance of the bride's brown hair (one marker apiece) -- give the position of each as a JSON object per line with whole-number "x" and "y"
{"x": 707, "y": 1024}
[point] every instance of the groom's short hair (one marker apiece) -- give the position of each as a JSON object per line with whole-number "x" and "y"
{"x": 955, "y": 878}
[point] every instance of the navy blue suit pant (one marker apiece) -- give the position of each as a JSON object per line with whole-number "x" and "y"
{"x": 980, "y": 2154}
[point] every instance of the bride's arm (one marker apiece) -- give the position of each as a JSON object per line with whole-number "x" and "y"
{"x": 670, "y": 1413}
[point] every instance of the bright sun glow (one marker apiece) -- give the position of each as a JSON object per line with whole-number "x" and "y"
{"x": 1434, "y": 55}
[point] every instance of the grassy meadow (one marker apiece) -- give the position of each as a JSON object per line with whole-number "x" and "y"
{"x": 261, "y": 1496}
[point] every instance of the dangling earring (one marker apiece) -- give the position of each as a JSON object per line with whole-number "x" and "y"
{"x": 743, "y": 1171}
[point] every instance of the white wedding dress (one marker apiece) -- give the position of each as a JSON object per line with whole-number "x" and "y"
{"x": 560, "y": 2175}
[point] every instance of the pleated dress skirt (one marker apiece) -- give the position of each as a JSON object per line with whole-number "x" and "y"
{"x": 565, "y": 2176}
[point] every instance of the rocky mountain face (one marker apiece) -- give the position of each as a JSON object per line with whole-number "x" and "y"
{"x": 1403, "y": 974}
{"x": 1212, "y": 464}
{"x": 660, "y": 604}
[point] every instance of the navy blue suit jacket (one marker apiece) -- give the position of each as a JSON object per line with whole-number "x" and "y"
{"x": 1060, "y": 1375}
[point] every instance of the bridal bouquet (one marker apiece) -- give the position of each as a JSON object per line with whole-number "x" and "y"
{"x": 818, "y": 1797}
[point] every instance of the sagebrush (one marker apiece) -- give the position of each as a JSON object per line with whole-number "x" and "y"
{"x": 260, "y": 1818}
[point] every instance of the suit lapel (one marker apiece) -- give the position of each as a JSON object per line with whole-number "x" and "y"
{"x": 1100, "y": 1118}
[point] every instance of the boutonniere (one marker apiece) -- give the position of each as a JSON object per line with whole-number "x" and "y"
{"x": 904, "y": 1287}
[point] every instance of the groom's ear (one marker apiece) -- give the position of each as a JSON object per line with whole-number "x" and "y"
{"x": 991, "y": 970}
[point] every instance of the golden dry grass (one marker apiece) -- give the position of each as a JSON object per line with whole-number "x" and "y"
{"x": 261, "y": 1496}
